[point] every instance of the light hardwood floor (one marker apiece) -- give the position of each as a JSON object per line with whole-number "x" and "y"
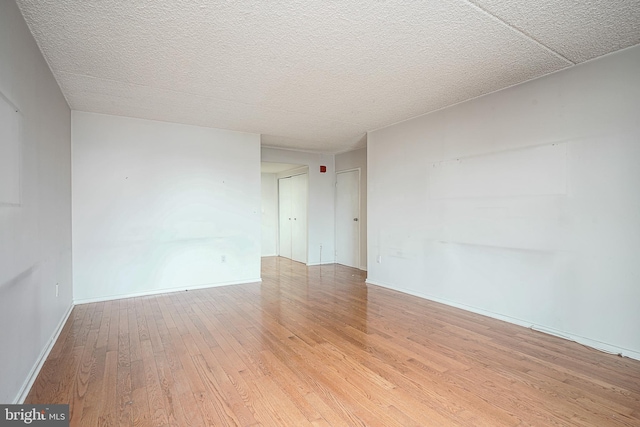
{"x": 316, "y": 346}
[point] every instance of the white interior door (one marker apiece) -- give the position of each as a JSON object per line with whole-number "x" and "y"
{"x": 284, "y": 214}
{"x": 299, "y": 213}
{"x": 292, "y": 202}
{"x": 348, "y": 218}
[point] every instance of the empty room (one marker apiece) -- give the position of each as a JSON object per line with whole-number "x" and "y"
{"x": 327, "y": 213}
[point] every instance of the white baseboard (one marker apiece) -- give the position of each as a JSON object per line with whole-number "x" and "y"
{"x": 161, "y": 291}
{"x": 597, "y": 345}
{"x": 323, "y": 263}
{"x": 31, "y": 378}
{"x": 333, "y": 262}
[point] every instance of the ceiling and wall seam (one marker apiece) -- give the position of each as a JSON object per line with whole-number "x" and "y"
{"x": 351, "y": 149}
{"x": 498, "y": 90}
{"x": 43, "y": 52}
{"x": 313, "y": 76}
{"x": 519, "y": 31}
{"x": 267, "y": 107}
{"x": 300, "y": 150}
{"x": 481, "y": 96}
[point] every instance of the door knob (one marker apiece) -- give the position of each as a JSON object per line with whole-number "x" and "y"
{"x": 355, "y": 219}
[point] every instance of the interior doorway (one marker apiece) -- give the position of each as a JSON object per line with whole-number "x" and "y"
{"x": 348, "y": 218}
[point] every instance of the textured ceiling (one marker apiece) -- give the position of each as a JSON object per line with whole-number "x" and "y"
{"x": 312, "y": 75}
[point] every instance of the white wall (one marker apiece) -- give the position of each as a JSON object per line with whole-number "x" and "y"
{"x": 523, "y": 204}
{"x": 321, "y": 199}
{"x": 162, "y": 206}
{"x": 35, "y": 235}
{"x": 269, "y": 214}
{"x": 352, "y": 160}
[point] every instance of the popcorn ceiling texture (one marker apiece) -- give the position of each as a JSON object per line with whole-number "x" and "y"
{"x": 578, "y": 30}
{"x": 312, "y": 75}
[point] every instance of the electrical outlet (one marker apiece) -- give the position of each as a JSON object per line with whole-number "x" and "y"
{"x": 57, "y": 289}
{"x": 379, "y": 259}
{"x": 223, "y": 258}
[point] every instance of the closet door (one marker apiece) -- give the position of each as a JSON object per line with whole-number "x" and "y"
{"x": 284, "y": 212}
{"x": 299, "y": 213}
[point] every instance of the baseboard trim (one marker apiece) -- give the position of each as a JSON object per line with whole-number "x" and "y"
{"x": 31, "y": 378}
{"x": 596, "y": 345}
{"x": 333, "y": 262}
{"x": 162, "y": 291}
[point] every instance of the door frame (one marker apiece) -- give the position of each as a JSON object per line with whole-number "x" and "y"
{"x": 335, "y": 216}
{"x": 302, "y": 170}
{"x": 279, "y": 225}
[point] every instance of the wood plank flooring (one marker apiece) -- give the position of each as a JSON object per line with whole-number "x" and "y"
{"x": 316, "y": 346}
